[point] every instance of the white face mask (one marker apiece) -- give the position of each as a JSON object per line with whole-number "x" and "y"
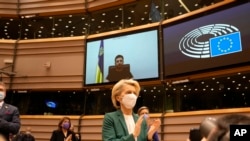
{"x": 129, "y": 100}
{"x": 2, "y": 95}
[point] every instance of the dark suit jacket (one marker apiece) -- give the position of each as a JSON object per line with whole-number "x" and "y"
{"x": 115, "y": 129}
{"x": 58, "y": 135}
{"x": 114, "y": 75}
{"x": 9, "y": 120}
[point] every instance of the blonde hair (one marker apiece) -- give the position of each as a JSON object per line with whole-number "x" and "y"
{"x": 117, "y": 90}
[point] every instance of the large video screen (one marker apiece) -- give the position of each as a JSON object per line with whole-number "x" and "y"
{"x": 127, "y": 55}
{"x": 212, "y": 40}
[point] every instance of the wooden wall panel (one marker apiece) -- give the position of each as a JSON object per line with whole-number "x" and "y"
{"x": 65, "y": 57}
{"x": 7, "y": 48}
{"x": 53, "y": 7}
{"x": 8, "y": 8}
{"x": 11, "y": 8}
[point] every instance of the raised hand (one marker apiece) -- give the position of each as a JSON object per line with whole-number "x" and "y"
{"x": 69, "y": 138}
{"x": 153, "y": 128}
{"x": 138, "y": 126}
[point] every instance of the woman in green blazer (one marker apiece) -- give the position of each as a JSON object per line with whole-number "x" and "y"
{"x": 124, "y": 124}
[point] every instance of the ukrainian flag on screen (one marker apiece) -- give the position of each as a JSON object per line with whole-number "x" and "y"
{"x": 226, "y": 44}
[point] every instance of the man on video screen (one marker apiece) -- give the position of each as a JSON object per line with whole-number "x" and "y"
{"x": 119, "y": 71}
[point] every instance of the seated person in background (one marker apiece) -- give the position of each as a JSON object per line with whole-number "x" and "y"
{"x": 145, "y": 111}
{"x": 63, "y": 133}
{"x": 119, "y": 71}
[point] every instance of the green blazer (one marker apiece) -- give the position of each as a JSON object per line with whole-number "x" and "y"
{"x": 114, "y": 128}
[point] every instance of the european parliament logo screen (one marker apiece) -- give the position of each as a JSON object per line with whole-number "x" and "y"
{"x": 210, "y": 40}
{"x": 225, "y": 40}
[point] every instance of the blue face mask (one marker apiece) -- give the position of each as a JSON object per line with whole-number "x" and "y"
{"x": 66, "y": 125}
{"x": 2, "y": 95}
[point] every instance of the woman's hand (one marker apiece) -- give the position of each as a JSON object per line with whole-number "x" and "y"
{"x": 138, "y": 126}
{"x": 69, "y": 138}
{"x": 153, "y": 128}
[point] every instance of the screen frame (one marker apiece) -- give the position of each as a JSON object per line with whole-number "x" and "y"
{"x": 117, "y": 34}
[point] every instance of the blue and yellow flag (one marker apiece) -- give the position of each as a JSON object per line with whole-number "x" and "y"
{"x": 99, "y": 69}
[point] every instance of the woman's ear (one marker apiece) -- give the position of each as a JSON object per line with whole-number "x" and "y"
{"x": 118, "y": 98}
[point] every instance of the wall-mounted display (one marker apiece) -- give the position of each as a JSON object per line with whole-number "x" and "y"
{"x": 208, "y": 40}
{"x": 131, "y": 54}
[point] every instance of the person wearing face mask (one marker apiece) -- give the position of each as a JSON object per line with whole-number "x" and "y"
{"x": 123, "y": 124}
{"x": 9, "y": 116}
{"x": 63, "y": 133}
{"x": 144, "y": 110}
